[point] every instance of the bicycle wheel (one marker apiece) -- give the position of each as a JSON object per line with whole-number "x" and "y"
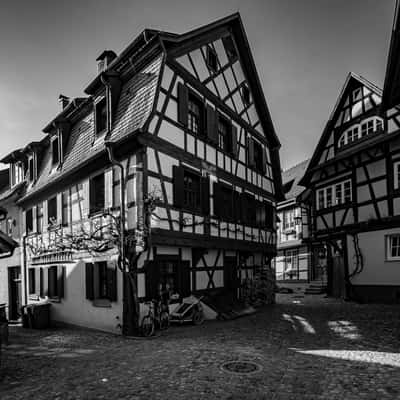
{"x": 147, "y": 326}
{"x": 164, "y": 321}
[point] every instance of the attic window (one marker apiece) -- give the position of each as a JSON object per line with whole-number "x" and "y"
{"x": 17, "y": 173}
{"x": 212, "y": 61}
{"x": 230, "y": 48}
{"x": 245, "y": 94}
{"x": 31, "y": 169}
{"x": 101, "y": 116}
{"x": 55, "y": 151}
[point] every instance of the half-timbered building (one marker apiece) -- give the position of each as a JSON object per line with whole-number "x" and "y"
{"x": 293, "y": 261}
{"x": 187, "y": 120}
{"x": 353, "y": 183}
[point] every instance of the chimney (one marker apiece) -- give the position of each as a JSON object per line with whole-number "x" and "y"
{"x": 63, "y": 100}
{"x": 104, "y": 60}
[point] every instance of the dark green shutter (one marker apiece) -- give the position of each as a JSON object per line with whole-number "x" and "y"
{"x": 112, "y": 281}
{"x": 60, "y": 281}
{"x": 217, "y": 199}
{"x": 41, "y": 283}
{"x": 178, "y": 173}
{"x": 234, "y": 138}
{"x": 184, "y": 287}
{"x": 205, "y": 195}
{"x": 264, "y": 161}
{"x": 250, "y": 152}
{"x": 212, "y": 131}
{"x": 89, "y": 280}
{"x": 183, "y": 101}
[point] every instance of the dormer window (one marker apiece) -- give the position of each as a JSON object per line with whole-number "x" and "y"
{"x": 101, "y": 116}
{"x": 212, "y": 61}
{"x": 55, "y": 151}
{"x": 17, "y": 173}
{"x": 358, "y": 131}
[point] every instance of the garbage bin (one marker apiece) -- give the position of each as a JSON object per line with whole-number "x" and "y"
{"x": 36, "y": 316}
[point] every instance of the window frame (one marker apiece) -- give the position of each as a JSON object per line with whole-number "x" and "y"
{"x": 55, "y": 150}
{"x": 388, "y": 247}
{"x": 94, "y": 203}
{"x": 50, "y": 201}
{"x": 31, "y": 281}
{"x": 39, "y": 218}
{"x": 27, "y": 213}
{"x": 396, "y": 174}
{"x": 344, "y": 190}
{"x": 189, "y": 205}
{"x": 199, "y": 119}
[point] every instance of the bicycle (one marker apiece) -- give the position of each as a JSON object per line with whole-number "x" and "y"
{"x": 157, "y": 316}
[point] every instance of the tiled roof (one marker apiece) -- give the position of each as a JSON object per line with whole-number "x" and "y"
{"x": 291, "y": 177}
{"x": 134, "y": 107}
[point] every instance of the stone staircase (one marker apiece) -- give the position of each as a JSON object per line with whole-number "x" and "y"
{"x": 317, "y": 286}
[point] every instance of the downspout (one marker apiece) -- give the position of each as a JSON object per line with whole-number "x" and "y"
{"x": 25, "y": 269}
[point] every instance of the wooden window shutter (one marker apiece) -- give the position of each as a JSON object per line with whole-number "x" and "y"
{"x": 89, "y": 280}
{"x": 217, "y": 199}
{"x": 205, "y": 195}
{"x": 41, "y": 282}
{"x": 250, "y": 152}
{"x": 234, "y": 138}
{"x": 60, "y": 281}
{"x": 34, "y": 224}
{"x": 184, "y": 284}
{"x": 112, "y": 281}
{"x": 183, "y": 101}
{"x": 264, "y": 160}
{"x": 212, "y": 131}
{"x": 178, "y": 173}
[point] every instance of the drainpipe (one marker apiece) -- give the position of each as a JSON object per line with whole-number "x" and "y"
{"x": 25, "y": 269}
{"x": 114, "y": 162}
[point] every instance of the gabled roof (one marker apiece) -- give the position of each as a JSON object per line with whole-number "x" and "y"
{"x": 291, "y": 178}
{"x": 351, "y": 78}
{"x": 235, "y": 24}
{"x": 391, "y": 87}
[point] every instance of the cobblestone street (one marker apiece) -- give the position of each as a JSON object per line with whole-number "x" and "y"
{"x": 305, "y": 349}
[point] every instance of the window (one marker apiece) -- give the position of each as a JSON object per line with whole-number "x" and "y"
{"x": 31, "y": 169}
{"x": 29, "y": 221}
{"x": 77, "y": 202}
{"x": 291, "y": 270}
{"x": 212, "y": 61}
{"x": 52, "y": 282}
{"x": 101, "y": 116}
{"x": 195, "y": 114}
{"x": 52, "y": 211}
{"x": 356, "y": 132}
{"x": 224, "y": 134}
{"x": 17, "y": 173}
{"x": 97, "y": 194}
{"x": 229, "y": 48}
{"x": 191, "y": 190}
{"x": 101, "y": 281}
{"x": 225, "y": 202}
{"x": 31, "y": 281}
{"x": 55, "y": 151}
{"x": 288, "y": 219}
{"x": 337, "y": 194}
{"x": 245, "y": 94}
{"x": 393, "y": 247}
{"x": 64, "y": 208}
{"x": 9, "y": 226}
{"x": 396, "y": 175}
{"x": 39, "y": 218}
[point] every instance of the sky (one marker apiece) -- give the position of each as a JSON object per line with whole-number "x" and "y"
{"x": 303, "y": 50}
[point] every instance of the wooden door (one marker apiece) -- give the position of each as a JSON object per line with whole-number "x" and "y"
{"x": 231, "y": 279}
{"x": 14, "y": 293}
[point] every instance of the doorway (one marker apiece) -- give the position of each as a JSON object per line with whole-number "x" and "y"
{"x": 14, "y": 293}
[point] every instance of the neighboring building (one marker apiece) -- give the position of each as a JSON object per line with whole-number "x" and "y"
{"x": 188, "y": 120}
{"x": 10, "y": 257}
{"x": 293, "y": 261}
{"x": 353, "y": 180}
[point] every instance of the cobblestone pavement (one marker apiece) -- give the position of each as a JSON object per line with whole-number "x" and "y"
{"x": 306, "y": 349}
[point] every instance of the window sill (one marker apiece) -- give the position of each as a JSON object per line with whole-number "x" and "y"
{"x": 102, "y": 303}
{"x": 54, "y": 300}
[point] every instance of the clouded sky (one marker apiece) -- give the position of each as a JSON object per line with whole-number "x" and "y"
{"x": 303, "y": 51}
